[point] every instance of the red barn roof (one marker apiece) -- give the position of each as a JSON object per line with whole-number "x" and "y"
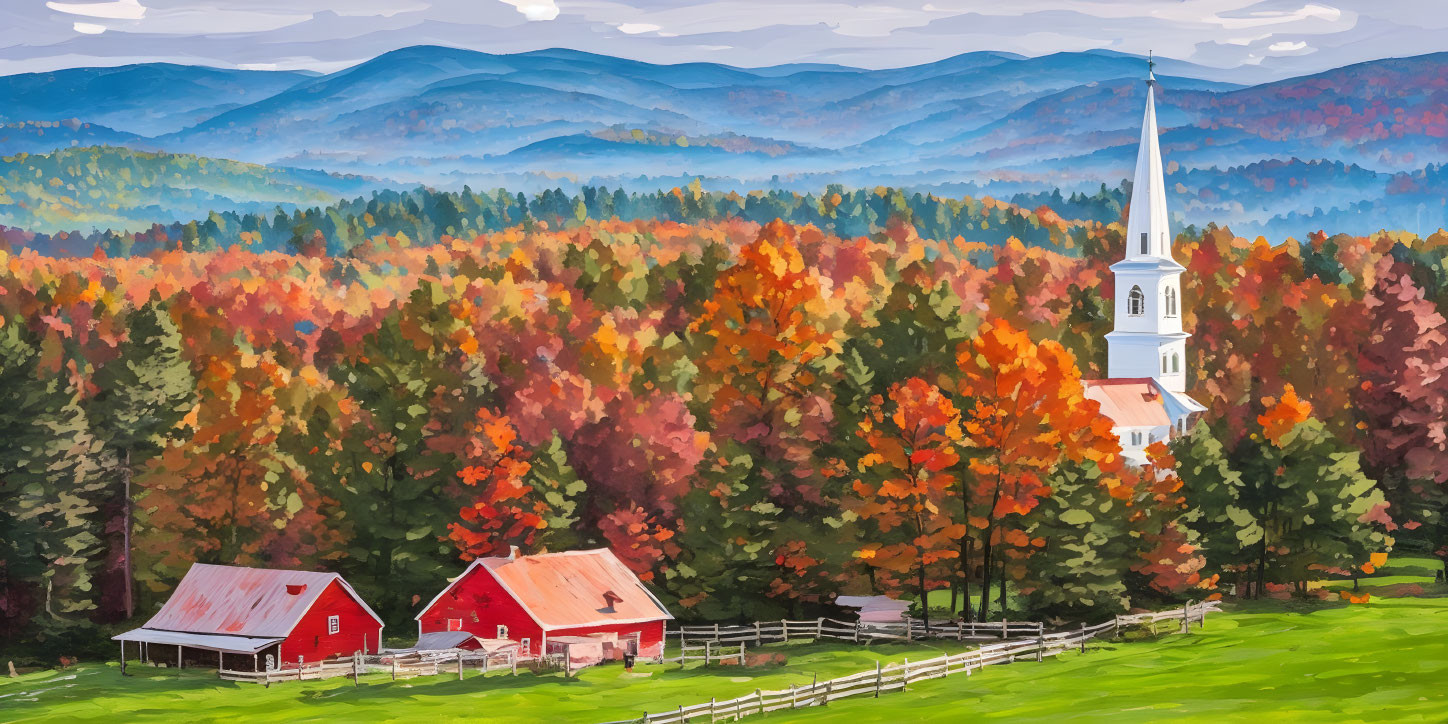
{"x": 571, "y": 589}
{"x": 237, "y": 601}
{"x": 1129, "y": 402}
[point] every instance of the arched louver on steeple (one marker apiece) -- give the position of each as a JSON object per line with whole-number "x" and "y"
{"x": 1136, "y": 302}
{"x": 1171, "y": 302}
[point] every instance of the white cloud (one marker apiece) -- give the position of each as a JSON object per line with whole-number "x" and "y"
{"x": 636, "y": 28}
{"x": 118, "y": 10}
{"x": 535, "y": 9}
{"x": 1286, "y": 46}
{"x": 89, "y": 28}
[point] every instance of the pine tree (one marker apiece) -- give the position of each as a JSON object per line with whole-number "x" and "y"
{"x": 48, "y": 480}
{"x": 1082, "y": 566}
{"x": 140, "y": 398}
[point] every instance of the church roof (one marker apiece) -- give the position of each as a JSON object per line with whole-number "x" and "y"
{"x": 1130, "y": 401}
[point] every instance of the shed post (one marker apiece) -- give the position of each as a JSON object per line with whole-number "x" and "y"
{"x": 123, "y": 657}
{"x": 255, "y": 664}
{"x": 179, "y": 664}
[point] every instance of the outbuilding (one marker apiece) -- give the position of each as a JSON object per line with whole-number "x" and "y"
{"x": 533, "y": 599}
{"x": 251, "y": 619}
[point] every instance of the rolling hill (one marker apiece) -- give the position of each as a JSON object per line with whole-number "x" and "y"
{"x": 981, "y": 121}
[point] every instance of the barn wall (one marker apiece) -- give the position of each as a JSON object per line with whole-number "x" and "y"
{"x": 651, "y": 634}
{"x": 310, "y": 640}
{"x": 482, "y": 605}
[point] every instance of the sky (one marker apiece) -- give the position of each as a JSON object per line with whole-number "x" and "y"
{"x": 1246, "y": 39}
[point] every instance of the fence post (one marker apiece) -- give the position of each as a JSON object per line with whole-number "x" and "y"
{"x": 758, "y": 637}
{"x": 716, "y": 632}
{"x": 741, "y": 653}
{"x": 1083, "y": 637}
{"x": 1204, "y": 616}
{"x": 909, "y": 629}
{"x": 784, "y": 628}
{"x": 300, "y": 664}
{"x": 1186, "y": 617}
{"x": 1003, "y": 628}
{"x": 356, "y": 668}
{"x": 513, "y": 658}
{"x": 793, "y": 697}
{"x": 820, "y": 628}
{"x": 1116, "y": 626}
{"x": 394, "y": 667}
{"x": 879, "y": 678}
{"x": 760, "y": 694}
{"x": 959, "y": 630}
{"x": 829, "y": 687}
{"x": 711, "y": 710}
{"x": 857, "y": 632}
{"x": 460, "y": 666}
{"x": 1040, "y": 647}
{"x": 905, "y": 683}
{"x": 682, "y": 719}
{"x": 707, "y": 646}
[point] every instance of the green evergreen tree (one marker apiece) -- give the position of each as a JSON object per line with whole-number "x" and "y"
{"x": 141, "y": 396}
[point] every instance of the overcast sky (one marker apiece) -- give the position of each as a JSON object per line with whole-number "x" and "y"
{"x": 1266, "y": 38}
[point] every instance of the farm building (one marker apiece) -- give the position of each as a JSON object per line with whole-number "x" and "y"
{"x": 250, "y": 619}
{"x": 875, "y": 609}
{"x": 535, "y": 599}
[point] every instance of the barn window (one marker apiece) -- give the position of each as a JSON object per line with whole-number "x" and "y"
{"x": 1144, "y": 243}
{"x": 454, "y": 624}
{"x": 1136, "y": 302}
{"x": 1171, "y": 302}
{"x": 502, "y": 631}
{"x": 334, "y": 624}
{"x": 526, "y": 646}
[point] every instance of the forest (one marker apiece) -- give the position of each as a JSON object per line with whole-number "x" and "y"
{"x": 755, "y": 413}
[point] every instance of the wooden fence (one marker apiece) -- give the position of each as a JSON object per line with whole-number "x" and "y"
{"x": 711, "y": 652}
{"x": 400, "y": 666}
{"x": 765, "y": 632}
{"x": 895, "y": 677}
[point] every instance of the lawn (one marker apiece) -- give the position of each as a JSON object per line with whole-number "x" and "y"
{"x": 97, "y": 692}
{"x": 1385, "y": 660}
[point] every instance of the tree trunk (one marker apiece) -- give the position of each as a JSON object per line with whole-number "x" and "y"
{"x": 924, "y": 600}
{"x": 1003, "y": 587}
{"x": 966, "y": 573}
{"x": 986, "y": 564}
{"x": 128, "y": 601}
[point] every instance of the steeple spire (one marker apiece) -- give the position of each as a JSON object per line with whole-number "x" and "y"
{"x": 1147, "y": 232}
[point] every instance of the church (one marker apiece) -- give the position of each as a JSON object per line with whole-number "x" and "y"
{"x": 1144, "y": 392}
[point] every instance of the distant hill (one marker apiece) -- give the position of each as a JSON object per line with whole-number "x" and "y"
{"x": 125, "y": 190}
{"x": 978, "y": 122}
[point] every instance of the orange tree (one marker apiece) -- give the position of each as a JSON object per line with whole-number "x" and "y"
{"x": 1025, "y": 403}
{"x": 905, "y": 479}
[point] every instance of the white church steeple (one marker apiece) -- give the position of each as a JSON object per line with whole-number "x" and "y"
{"x": 1148, "y": 340}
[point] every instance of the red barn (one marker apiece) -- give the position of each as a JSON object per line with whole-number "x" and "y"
{"x": 531, "y": 598}
{"x": 244, "y": 618}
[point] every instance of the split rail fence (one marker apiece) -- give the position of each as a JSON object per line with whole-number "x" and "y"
{"x": 765, "y": 632}
{"x": 401, "y": 666}
{"x": 896, "y": 677}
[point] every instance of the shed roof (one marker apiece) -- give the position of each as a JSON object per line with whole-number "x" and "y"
{"x": 1129, "y": 402}
{"x": 213, "y": 642}
{"x": 238, "y": 601}
{"x": 570, "y": 589}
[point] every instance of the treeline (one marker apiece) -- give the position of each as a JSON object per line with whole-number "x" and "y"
{"x": 756, "y": 418}
{"x": 428, "y": 217}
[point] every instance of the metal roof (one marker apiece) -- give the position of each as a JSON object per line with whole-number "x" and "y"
{"x": 213, "y": 642}
{"x": 571, "y": 589}
{"x": 251, "y": 602}
{"x": 1129, "y": 402}
{"x": 439, "y": 640}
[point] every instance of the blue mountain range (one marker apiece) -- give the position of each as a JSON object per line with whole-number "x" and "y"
{"x": 982, "y": 122}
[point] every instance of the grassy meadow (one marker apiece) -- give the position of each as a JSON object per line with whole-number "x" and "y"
{"x": 1385, "y": 660}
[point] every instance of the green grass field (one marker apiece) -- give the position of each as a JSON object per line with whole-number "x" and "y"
{"x": 1386, "y": 660}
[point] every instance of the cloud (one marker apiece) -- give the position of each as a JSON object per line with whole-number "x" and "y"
{"x": 636, "y": 28}
{"x": 89, "y": 28}
{"x": 118, "y": 10}
{"x": 535, "y": 9}
{"x": 1285, "y": 46}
